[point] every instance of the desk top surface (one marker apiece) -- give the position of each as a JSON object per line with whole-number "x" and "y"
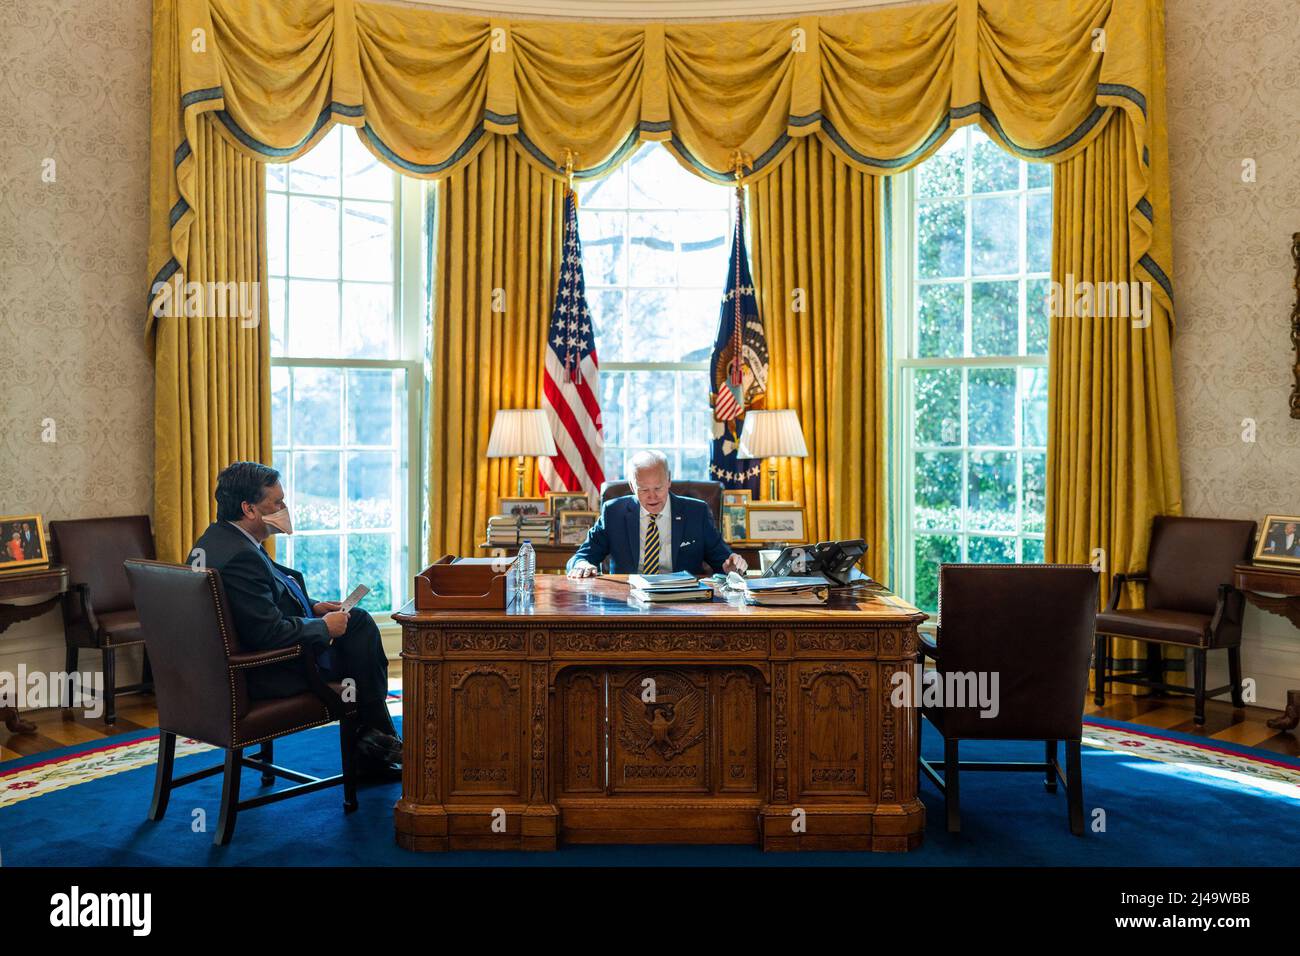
{"x": 559, "y": 599}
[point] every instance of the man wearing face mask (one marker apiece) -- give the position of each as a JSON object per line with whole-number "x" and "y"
{"x": 271, "y": 609}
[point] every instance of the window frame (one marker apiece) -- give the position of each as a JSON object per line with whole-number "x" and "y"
{"x": 903, "y": 289}
{"x": 409, "y": 313}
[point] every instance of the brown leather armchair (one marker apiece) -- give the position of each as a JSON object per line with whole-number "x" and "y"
{"x": 1031, "y": 625}
{"x": 98, "y": 612}
{"x": 1190, "y": 602}
{"x": 710, "y": 492}
{"x": 199, "y": 671}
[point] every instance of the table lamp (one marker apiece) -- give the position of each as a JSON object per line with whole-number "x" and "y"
{"x": 772, "y": 434}
{"x": 519, "y": 433}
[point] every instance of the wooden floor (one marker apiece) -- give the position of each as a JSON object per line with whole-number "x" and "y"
{"x": 57, "y": 728}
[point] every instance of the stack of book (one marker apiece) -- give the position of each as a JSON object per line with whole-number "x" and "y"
{"x": 503, "y": 529}
{"x": 662, "y": 588}
{"x": 783, "y": 591}
{"x": 536, "y": 528}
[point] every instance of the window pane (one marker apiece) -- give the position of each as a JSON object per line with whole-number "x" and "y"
{"x": 696, "y": 417}
{"x": 368, "y": 330}
{"x": 983, "y": 550}
{"x": 313, "y": 318}
{"x": 608, "y": 320}
{"x": 364, "y": 176}
{"x": 653, "y": 252}
{"x": 1037, "y": 304}
{"x": 931, "y": 551}
{"x": 937, "y": 485}
{"x": 991, "y": 491}
{"x": 313, "y": 237}
{"x": 1038, "y": 241}
{"x": 613, "y": 386}
{"x": 368, "y": 241}
{"x": 318, "y": 171}
{"x": 655, "y": 180}
{"x": 370, "y": 489}
{"x": 992, "y": 168}
{"x": 317, "y": 405}
{"x": 695, "y": 465}
{"x": 941, "y": 239}
{"x": 370, "y": 406}
{"x": 940, "y": 321}
{"x": 1034, "y": 482}
{"x": 651, "y": 409}
{"x": 1040, "y": 174}
{"x": 991, "y": 395}
{"x": 649, "y": 334}
{"x": 943, "y": 174}
{"x": 938, "y": 406}
{"x": 696, "y": 323}
{"x": 370, "y": 558}
{"x": 316, "y": 484}
{"x": 1032, "y": 550}
{"x": 995, "y": 317}
{"x": 995, "y": 236}
{"x": 276, "y": 305}
{"x": 604, "y": 247}
{"x": 1033, "y": 408}
{"x": 277, "y": 233}
{"x": 279, "y": 405}
{"x": 705, "y": 244}
{"x": 317, "y": 557}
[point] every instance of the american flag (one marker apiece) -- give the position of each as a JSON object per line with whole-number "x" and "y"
{"x": 738, "y": 368}
{"x": 570, "y": 381}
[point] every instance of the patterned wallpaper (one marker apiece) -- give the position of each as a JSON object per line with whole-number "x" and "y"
{"x": 74, "y": 87}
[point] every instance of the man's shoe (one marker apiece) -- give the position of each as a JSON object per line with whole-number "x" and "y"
{"x": 379, "y": 747}
{"x": 378, "y": 771}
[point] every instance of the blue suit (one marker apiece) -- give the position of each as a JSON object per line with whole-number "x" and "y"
{"x": 617, "y": 536}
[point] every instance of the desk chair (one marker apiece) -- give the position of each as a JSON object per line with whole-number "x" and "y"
{"x": 98, "y": 612}
{"x": 1190, "y": 602}
{"x": 710, "y": 492}
{"x": 1032, "y": 625}
{"x": 199, "y": 670}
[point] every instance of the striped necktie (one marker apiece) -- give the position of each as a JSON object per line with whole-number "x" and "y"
{"x": 650, "y": 563}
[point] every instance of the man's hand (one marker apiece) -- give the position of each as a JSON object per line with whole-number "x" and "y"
{"x": 734, "y": 563}
{"x": 336, "y": 622}
{"x": 583, "y": 569}
{"x": 321, "y": 608}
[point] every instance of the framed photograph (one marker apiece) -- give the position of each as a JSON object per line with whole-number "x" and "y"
{"x": 22, "y": 542}
{"x": 1279, "y": 541}
{"x": 735, "y": 505}
{"x": 561, "y": 501}
{"x": 574, "y": 526}
{"x": 523, "y": 507}
{"x": 775, "y": 521}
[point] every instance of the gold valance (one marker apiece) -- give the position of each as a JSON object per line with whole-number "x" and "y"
{"x": 882, "y": 89}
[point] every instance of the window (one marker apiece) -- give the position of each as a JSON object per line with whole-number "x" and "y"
{"x": 343, "y": 240}
{"x": 655, "y": 240}
{"x": 971, "y": 260}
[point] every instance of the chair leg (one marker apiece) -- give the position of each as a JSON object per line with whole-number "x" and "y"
{"x": 1099, "y": 670}
{"x": 162, "y": 781}
{"x": 1234, "y": 675}
{"x": 229, "y": 797}
{"x": 69, "y": 668}
{"x": 1074, "y": 784}
{"x": 348, "y": 752}
{"x": 951, "y": 787}
{"x": 110, "y": 686}
{"x": 1049, "y": 777}
{"x": 267, "y": 755}
{"x": 1198, "y": 656}
{"x": 1155, "y": 669}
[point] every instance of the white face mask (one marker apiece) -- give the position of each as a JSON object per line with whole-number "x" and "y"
{"x": 280, "y": 521}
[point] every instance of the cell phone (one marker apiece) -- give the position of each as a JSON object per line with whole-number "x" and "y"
{"x": 353, "y": 599}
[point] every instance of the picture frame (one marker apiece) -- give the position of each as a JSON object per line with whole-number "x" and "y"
{"x": 573, "y": 526}
{"x": 1279, "y": 541}
{"x": 22, "y": 542}
{"x": 523, "y": 507}
{"x": 735, "y": 509}
{"x": 561, "y": 501}
{"x": 775, "y": 521}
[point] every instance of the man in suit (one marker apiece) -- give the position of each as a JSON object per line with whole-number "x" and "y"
{"x": 31, "y": 546}
{"x": 652, "y": 530}
{"x": 271, "y": 609}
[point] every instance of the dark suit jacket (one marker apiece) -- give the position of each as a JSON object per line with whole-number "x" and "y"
{"x": 617, "y": 536}
{"x": 267, "y": 615}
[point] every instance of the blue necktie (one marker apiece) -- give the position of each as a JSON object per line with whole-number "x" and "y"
{"x": 296, "y": 591}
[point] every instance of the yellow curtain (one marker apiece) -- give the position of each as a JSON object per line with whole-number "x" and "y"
{"x": 212, "y": 352}
{"x": 1112, "y": 461}
{"x": 816, "y": 244}
{"x": 497, "y": 236}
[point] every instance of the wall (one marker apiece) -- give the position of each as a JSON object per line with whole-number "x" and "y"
{"x": 74, "y": 86}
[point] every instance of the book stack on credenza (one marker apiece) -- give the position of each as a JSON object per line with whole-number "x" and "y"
{"x": 666, "y": 588}
{"x": 503, "y": 529}
{"x": 535, "y": 528}
{"x": 787, "y": 591}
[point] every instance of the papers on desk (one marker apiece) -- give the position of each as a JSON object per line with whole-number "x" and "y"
{"x": 659, "y": 582}
{"x": 661, "y": 595}
{"x": 809, "y": 589}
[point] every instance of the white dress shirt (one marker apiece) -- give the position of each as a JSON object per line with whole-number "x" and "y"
{"x": 665, "y": 522}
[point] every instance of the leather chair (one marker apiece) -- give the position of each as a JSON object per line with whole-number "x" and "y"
{"x": 98, "y": 612}
{"x": 710, "y": 492}
{"x": 199, "y": 670}
{"x": 1190, "y": 602}
{"x": 1030, "y": 624}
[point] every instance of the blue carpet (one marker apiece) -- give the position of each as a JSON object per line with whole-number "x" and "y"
{"x": 1157, "y": 814}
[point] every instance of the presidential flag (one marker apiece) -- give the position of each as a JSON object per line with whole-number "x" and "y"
{"x": 738, "y": 368}
{"x": 570, "y": 380}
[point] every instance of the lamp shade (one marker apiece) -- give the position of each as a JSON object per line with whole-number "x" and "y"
{"x": 521, "y": 431}
{"x": 772, "y": 434}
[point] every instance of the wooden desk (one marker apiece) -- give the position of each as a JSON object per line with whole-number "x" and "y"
{"x": 537, "y": 712}
{"x": 28, "y": 582}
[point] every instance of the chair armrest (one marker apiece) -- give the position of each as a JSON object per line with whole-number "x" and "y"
{"x": 248, "y": 659}
{"x": 78, "y": 611}
{"x": 1230, "y": 605}
{"x": 1117, "y": 586}
{"x": 927, "y": 646}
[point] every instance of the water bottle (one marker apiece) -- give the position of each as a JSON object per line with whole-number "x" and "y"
{"x": 527, "y": 565}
